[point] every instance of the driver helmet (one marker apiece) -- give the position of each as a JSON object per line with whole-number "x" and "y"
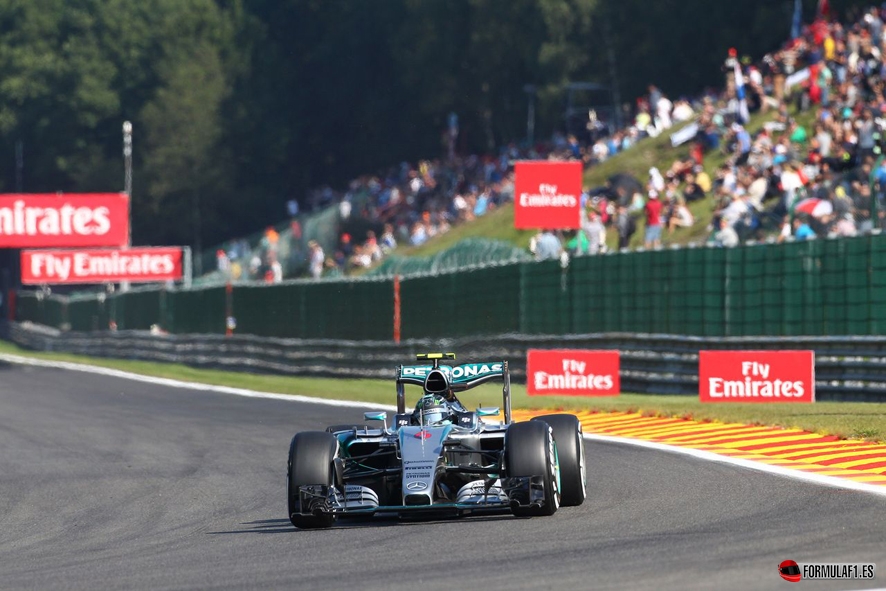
{"x": 433, "y": 409}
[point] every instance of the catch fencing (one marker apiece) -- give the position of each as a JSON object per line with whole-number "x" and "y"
{"x": 465, "y": 253}
{"x": 819, "y": 287}
{"x": 847, "y": 368}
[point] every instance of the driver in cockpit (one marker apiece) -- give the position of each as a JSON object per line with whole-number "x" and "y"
{"x": 437, "y": 409}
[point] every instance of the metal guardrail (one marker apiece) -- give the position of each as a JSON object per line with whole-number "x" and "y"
{"x": 847, "y": 368}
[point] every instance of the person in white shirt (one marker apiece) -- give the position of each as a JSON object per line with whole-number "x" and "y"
{"x": 681, "y": 217}
{"x": 663, "y": 113}
{"x": 682, "y": 111}
{"x": 317, "y": 258}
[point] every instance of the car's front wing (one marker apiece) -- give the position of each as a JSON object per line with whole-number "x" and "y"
{"x": 320, "y": 499}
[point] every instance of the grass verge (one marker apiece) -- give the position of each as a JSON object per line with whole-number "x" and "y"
{"x": 860, "y": 420}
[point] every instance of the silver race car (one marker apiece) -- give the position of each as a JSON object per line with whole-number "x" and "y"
{"x": 440, "y": 458}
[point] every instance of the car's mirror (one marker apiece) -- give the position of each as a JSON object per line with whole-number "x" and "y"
{"x": 376, "y": 415}
{"x": 489, "y": 411}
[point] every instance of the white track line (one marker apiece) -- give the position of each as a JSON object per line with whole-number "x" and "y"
{"x": 104, "y": 371}
{"x": 699, "y": 454}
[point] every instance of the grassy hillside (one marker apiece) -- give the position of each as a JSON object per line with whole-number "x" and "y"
{"x": 658, "y": 152}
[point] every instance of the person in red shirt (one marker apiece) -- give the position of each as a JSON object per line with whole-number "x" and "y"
{"x": 653, "y": 220}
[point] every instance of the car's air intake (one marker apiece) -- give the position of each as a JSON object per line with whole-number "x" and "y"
{"x": 417, "y": 500}
{"x": 436, "y": 382}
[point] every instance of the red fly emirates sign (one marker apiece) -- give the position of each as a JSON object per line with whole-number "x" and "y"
{"x": 547, "y": 195}
{"x": 64, "y": 220}
{"x": 756, "y": 376}
{"x": 572, "y": 372}
{"x": 101, "y": 266}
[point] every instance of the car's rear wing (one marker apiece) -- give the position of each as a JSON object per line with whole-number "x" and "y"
{"x": 461, "y": 378}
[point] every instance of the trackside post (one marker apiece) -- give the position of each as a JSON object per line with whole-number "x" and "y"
{"x": 396, "y": 308}
{"x": 229, "y": 309}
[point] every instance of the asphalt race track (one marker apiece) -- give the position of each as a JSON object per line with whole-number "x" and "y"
{"x": 107, "y": 483}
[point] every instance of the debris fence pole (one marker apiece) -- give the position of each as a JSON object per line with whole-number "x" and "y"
{"x": 396, "y": 308}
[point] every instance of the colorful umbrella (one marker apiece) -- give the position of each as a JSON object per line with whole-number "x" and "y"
{"x": 814, "y": 207}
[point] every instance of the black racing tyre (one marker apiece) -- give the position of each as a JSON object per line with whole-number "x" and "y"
{"x": 310, "y": 462}
{"x": 334, "y": 428}
{"x": 530, "y": 450}
{"x": 571, "y": 453}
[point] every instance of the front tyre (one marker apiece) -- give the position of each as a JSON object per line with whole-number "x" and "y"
{"x": 310, "y": 462}
{"x": 530, "y": 450}
{"x": 571, "y": 453}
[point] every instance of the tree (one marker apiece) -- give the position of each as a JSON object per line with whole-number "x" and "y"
{"x": 182, "y": 132}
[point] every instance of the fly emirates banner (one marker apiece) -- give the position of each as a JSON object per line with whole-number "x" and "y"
{"x": 136, "y": 265}
{"x": 50, "y": 220}
{"x": 756, "y": 376}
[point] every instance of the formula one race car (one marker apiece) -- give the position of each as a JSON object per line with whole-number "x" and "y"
{"x": 438, "y": 459}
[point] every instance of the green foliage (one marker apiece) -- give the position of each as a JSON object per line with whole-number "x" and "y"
{"x": 239, "y": 106}
{"x": 183, "y": 131}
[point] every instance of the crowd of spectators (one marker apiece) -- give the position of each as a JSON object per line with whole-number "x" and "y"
{"x": 786, "y": 179}
{"x": 789, "y": 180}
{"x": 813, "y": 180}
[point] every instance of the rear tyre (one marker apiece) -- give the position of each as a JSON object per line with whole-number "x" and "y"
{"x": 571, "y": 453}
{"x": 530, "y": 450}
{"x": 310, "y": 462}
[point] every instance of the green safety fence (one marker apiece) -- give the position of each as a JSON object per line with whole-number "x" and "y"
{"x": 477, "y": 301}
{"x": 200, "y": 311}
{"x": 330, "y": 309}
{"x": 818, "y": 287}
{"x": 88, "y": 313}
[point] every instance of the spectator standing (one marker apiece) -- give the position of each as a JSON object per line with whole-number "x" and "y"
{"x": 653, "y": 220}
{"x": 271, "y": 240}
{"x": 419, "y": 235}
{"x": 663, "y": 109}
{"x": 656, "y": 180}
{"x": 292, "y": 208}
{"x": 625, "y": 225}
{"x": 274, "y": 273}
{"x": 224, "y": 263}
{"x": 371, "y": 247}
{"x": 726, "y": 237}
{"x": 802, "y": 230}
{"x": 595, "y": 232}
{"x": 388, "y": 241}
{"x": 345, "y": 245}
{"x": 317, "y": 258}
{"x": 578, "y": 244}
{"x": 547, "y": 246}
